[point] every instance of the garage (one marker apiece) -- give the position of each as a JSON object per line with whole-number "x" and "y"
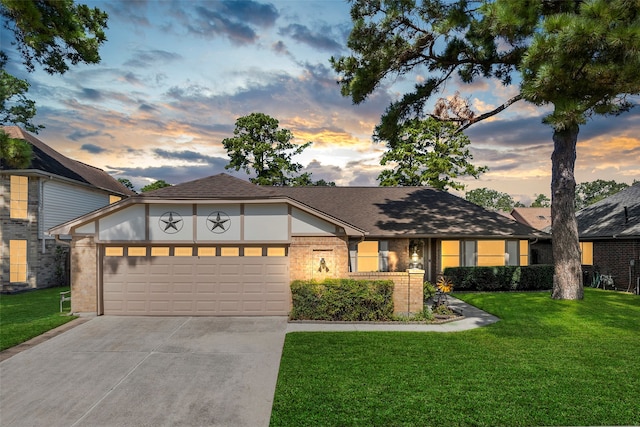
{"x": 210, "y": 285}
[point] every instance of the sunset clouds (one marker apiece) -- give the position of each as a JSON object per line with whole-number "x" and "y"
{"x": 175, "y": 76}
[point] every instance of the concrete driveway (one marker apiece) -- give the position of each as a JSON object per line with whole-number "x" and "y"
{"x": 147, "y": 371}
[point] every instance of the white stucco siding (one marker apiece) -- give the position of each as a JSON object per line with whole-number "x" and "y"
{"x": 62, "y": 202}
{"x": 266, "y": 222}
{"x": 127, "y": 224}
{"x": 170, "y": 222}
{"x": 219, "y": 223}
{"x": 305, "y": 223}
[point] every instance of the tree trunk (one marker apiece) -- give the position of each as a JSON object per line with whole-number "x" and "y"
{"x": 567, "y": 279}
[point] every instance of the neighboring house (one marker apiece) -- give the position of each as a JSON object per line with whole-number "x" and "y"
{"x": 609, "y": 232}
{"x": 52, "y": 190}
{"x": 540, "y": 219}
{"x": 222, "y": 246}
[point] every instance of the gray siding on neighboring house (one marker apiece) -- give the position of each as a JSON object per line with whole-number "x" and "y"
{"x": 63, "y": 202}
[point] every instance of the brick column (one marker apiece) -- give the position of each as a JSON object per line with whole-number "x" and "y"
{"x": 84, "y": 276}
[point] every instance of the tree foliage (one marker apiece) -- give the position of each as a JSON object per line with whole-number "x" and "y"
{"x": 492, "y": 199}
{"x": 262, "y": 148}
{"x": 161, "y": 183}
{"x": 127, "y": 183}
{"x": 588, "y": 193}
{"x": 578, "y": 56}
{"x": 14, "y": 153}
{"x": 541, "y": 201}
{"x": 51, "y": 34}
{"x": 426, "y": 152}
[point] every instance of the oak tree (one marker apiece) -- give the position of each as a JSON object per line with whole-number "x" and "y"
{"x": 580, "y": 57}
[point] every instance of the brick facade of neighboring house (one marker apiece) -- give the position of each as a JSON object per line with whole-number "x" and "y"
{"x": 57, "y": 189}
{"x": 611, "y": 229}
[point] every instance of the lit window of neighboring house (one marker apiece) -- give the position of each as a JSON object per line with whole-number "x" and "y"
{"x": 19, "y": 197}
{"x": 18, "y": 260}
{"x": 113, "y": 199}
{"x": 586, "y": 253}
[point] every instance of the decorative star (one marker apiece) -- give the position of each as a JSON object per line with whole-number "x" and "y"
{"x": 171, "y": 222}
{"x": 218, "y": 222}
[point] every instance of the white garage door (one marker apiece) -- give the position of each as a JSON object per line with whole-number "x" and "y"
{"x": 196, "y": 286}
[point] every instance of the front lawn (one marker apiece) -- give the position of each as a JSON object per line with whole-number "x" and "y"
{"x": 546, "y": 362}
{"x": 29, "y": 314}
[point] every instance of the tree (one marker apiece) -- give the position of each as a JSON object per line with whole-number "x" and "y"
{"x": 580, "y": 57}
{"x": 127, "y": 183}
{"x": 492, "y": 199}
{"x": 541, "y": 201}
{"x": 426, "y": 152}
{"x": 52, "y": 34}
{"x": 14, "y": 153}
{"x": 161, "y": 183}
{"x": 588, "y": 193}
{"x": 261, "y": 147}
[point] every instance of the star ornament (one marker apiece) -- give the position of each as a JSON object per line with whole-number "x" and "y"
{"x": 171, "y": 222}
{"x": 218, "y": 222}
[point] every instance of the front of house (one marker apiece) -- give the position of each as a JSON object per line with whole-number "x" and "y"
{"x": 223, "y": 246}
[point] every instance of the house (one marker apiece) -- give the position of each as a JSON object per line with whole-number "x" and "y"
{"x": 540, "y": 219}
{"x": 609, "y": 233}
{"x": 222, "y": 246}
{"x": 53, "y": 189}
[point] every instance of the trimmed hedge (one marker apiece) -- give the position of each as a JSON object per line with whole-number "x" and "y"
{"x": 342, "y": 299}
{"x": 506, "y": 278}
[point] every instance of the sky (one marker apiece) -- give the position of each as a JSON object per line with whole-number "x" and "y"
{"x": 175, "y": 75}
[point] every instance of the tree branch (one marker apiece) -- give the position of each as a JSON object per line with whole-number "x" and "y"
{"x": 491, "y": 113}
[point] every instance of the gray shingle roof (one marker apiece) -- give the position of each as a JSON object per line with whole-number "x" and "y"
{"x": 418, "y": 211}
{"x": 609, "y": 218}
{"x": 48, "y": 160}
{"x": 221, "y": 186}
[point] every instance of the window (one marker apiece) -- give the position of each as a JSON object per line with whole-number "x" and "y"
{"x": 450, "y": 253}
{"x": 470, "y": 253}
{"x": 276, "y": 252}
{"x": 229, "y": 251}
{"x": 114, "y": 251}
{"x": 206, "y": 251}
{"x": 137, "y": 251}
{"x": 160, "y": 251}
{"x": 113, "y": 199}
{"x": 586, "y": 253}
{"x": 524, "y": 252}
{"x": 19, "y": 197}
{"x": 252, "y": 251}
{"x": 512, "y": 253}
{"x": 368, "y": 256}
{"x": 491, "y": 253}
{"x": 17, "y": 260}
{"x": 183, "y": 251}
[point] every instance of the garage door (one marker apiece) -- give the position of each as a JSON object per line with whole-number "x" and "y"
{"x": 196, "y": 286}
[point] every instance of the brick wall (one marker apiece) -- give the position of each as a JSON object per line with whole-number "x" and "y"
{"x": 306, "y": 254}
{"x": 84, "y": 276}
{"x": 613, "y": 257}
{"x": 45, "y": 268}
{"x": 407, "y": 288}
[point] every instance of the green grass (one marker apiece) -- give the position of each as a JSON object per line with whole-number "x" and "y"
{"x": 29, "y": 314}
{"x": 546, "y": 362}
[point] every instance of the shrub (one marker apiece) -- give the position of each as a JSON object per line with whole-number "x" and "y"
{"x": 428, "y": 290}
{"x": 504, "y": 278}
{"x": 342, "y": 299}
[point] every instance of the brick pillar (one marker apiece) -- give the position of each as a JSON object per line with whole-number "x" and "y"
{"x": 84, "y": 276}
{"x": 408, "y": 292}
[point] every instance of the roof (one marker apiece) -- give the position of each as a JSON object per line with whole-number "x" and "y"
{"x": 538, "y": 218}
{"x": 417, "y": 211}
{"x": 47, "y": 160}
{"x": 375, "y": 211}
{"x": 617, "y": 216}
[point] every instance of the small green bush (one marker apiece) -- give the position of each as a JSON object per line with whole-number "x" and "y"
{"x": 505, "y": 278}
{"x": 342, "y": 299}
{"x": 428, "y": 290}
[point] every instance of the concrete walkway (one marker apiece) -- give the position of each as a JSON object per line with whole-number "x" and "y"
{"x": 473, "y": 318}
